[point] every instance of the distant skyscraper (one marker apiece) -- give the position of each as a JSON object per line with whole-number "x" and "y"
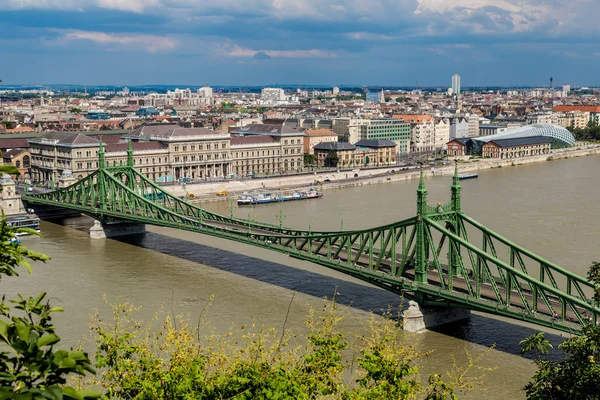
{"x": 456, "y": 84}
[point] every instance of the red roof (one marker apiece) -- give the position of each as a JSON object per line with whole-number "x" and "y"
{"x": 593, "y": 109}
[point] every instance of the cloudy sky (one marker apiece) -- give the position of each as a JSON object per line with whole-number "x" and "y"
{"x": 331, "y": 42}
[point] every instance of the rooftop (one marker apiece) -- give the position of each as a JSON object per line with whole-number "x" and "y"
{"x": 375, "y": 143}
{"x": 253, "y": 139}
{"x": 522, "y": 141}
{"x": 335, "y": 146}
{"x": 69, "y": 139}
{"x": 168, "y": 131}
{"x": 268, "y": 129}
{"x": 320, "y": 132}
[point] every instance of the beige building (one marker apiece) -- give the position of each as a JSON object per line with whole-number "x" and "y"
{"x": 290, "y": 154}
{"x": 315, "y": 136}
{"x": 55, "y": 152}
{"x": 195, "y": 153}
{"x": 150, "y": 158}
{"x": 20, "y": 158}
{"x": 517, "y": 147}
{"x": 344, "y": 152}
{"x": 381, "y": 152}
{"x": 255, "y": 155}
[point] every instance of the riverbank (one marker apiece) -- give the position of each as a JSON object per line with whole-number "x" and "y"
{"x": 207, "y": 191}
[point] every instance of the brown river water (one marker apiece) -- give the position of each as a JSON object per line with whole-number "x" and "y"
{"x": 550, "y": 208}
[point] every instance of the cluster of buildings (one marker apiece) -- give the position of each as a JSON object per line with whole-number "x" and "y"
{"x": 276, "y": 130}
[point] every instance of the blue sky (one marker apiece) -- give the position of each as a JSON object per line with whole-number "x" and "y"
{"x": 330, "y": 42}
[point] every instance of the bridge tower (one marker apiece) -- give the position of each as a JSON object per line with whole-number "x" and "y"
{"x": 454, "y": 250}
{"x": 418, "y": 318}
{"x": 422, "y": 250}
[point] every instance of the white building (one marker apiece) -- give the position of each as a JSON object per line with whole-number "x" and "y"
{"x": 205, "y": 92}
{"x": 459, "y": 128}
{"x": 422, "y": 136}
{"x": 473, "y": 120}
{"x": 336, "y": 90}
{"x": 272, "y": 94}
{"x": 441, "y": 132}
{"x": 456, "y": 84}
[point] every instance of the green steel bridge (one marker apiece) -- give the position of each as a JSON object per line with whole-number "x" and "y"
{"x": 441, "y": 257}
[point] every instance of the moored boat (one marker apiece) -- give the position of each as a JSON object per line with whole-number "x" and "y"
{"x": 467, "y": 176}
{"x": 24, "y": 221}
{"x": 268, "y": 197}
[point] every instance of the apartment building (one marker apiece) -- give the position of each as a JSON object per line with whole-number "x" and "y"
{"x": 441, "y": 132}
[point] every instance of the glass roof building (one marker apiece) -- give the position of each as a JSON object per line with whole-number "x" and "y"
{"x": 560, "y": 136}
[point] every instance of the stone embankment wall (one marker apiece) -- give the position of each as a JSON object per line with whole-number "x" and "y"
{"x": 207, "y": 191}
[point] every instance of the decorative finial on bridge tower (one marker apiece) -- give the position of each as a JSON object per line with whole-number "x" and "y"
{"x": 421, "y": 194}
{"x": 101, "y": 155}
{"x": 455, "y": 188}
{"x": 129, "y": 153}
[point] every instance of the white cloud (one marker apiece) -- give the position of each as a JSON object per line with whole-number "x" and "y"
{"x": 123, "y": 5}
{"x": 151, "y": 43}
{"x": 128, "y": 5}
{"x": 368, "y": 36}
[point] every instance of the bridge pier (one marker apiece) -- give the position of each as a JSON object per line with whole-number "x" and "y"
{"x": 418, "y": 319}
{"x": 108, "y": 230}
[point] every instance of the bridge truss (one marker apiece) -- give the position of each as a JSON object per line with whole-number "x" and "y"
{"x": 440, "y": 258}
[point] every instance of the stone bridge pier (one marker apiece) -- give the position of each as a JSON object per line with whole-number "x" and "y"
{"x": 418, "y": 319}
{"x": 115, "y": 229}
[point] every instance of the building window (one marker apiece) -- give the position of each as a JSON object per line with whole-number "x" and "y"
{"x": 224, "y": 145}
{"x": 208, "y": 146}
{"x": 176, "y": 148}
{"x": 184, "y": 148}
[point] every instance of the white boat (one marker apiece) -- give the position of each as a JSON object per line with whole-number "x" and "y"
{"x": 24, "y": 221}
{"x": 268, "y": 197}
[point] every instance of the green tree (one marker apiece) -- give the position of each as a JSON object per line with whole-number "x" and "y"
{"x": 30, "y": 367}
{"x": 76, "y": 110}
{"x": 7, "y": 124}
{"x": 310, "y": 159}
{"x": 536, "y": 343}
{"x": 577, "y": 376}
{"x": 332, "y": 159}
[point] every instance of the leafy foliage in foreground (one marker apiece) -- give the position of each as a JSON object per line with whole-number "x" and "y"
{"x": 577, "y": 376}
{"x": 169, "y": 358}
{"x": 30, "y": 367}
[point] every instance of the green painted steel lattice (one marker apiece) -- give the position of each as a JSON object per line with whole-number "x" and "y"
{"x": 441, "y": 257}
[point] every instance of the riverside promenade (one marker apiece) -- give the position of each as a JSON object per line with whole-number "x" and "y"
{"x": 207, "y": 191}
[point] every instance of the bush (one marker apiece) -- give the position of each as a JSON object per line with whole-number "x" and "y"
{"x": 170, "y": 358}
{"x": 30, "y": 367}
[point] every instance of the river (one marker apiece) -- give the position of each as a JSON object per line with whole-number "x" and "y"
{"x": 550, "y": 208}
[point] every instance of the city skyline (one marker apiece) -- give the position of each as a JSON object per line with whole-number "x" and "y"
{"x": 392, "y": 43}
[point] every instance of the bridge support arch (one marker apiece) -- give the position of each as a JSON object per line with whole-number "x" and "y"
{"x": 418, "y": 319}
{"x": 108, "y": 230}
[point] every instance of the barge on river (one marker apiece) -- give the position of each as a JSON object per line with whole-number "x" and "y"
{"x": 270, "y": 197}
{"x": 467, "y": 176}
